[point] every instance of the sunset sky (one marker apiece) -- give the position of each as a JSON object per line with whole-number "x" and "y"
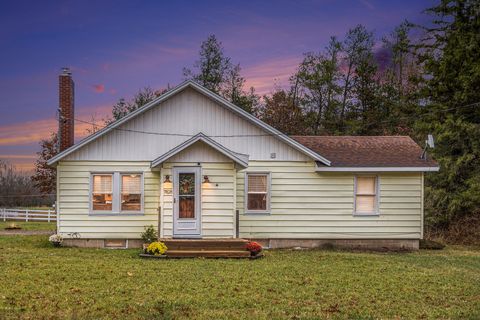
{"x": 114, "y": 48}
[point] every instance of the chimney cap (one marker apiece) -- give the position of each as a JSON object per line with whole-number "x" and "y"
{"x": 66, "y": 71}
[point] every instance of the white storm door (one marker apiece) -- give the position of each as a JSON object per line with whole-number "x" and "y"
{"x": 186, "y": 202}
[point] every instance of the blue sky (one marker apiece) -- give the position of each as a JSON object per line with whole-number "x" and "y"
{"x": 114, "y": 48}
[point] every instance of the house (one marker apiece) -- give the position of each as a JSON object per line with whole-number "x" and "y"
{"x": 196, "y": 166}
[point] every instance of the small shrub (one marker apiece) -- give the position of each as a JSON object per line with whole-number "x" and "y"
{"x": 56, "y": 240}
{"x": 156, "y": 248}
{"x": 254, "y": 247}
{"x": 149, "y": 235}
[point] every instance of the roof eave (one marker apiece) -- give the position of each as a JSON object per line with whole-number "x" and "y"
{"x": 377, "y": 169}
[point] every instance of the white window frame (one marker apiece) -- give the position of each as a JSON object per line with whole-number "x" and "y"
{"x": 269, "y": 192}
{"x": 376, "y": 211}
{"x": 142, "y": 195}
{"x": 116, "y": 194}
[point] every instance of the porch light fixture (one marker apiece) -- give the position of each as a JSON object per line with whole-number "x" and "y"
{"x": 167, "y": 179}
{"x": 205, "y": 179}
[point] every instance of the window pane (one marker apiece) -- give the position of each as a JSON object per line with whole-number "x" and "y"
{"x": 257, "y": 201}
{"x": 131, "y": 183}
{"x": 102, "y": 183}
{"x": 186, "y": 206}
{"x": 131, "y": 192}
{"x": 186, "y": 183}
{"x": 365, "y": 204}
{"x": 257, "y": 183}
{"x": 102, "y": 192}
{"x": 366, "y": 185}
{"x": 102, "y": 201}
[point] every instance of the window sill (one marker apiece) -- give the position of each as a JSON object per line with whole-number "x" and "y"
{"x": 366, "y": 214}
{"x": 257, "y": 213}
{"x": 116, "y": 214}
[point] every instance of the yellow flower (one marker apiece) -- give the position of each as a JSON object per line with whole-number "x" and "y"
{"x": 156, "y": 248}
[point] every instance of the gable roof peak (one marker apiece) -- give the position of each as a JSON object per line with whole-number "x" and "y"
{"x": 215, "y": 97}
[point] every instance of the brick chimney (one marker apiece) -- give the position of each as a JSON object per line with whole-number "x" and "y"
{"x": 66, "y": 109}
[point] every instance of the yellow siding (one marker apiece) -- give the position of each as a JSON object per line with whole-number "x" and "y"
{"x": 306, "y": 204}
{"x": 217, "y": 201}
{"x": 73, "y": 201}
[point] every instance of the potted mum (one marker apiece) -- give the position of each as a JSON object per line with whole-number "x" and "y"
{"x": 254, "y": 247}
{"x": 56, "y": 240}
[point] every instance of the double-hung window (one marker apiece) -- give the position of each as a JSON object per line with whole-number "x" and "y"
{"x": 116, "y": 193}
{"x": 257, "y": 192}
{"x": 366, "y": 195}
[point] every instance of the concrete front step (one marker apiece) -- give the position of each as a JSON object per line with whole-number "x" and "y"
{"x": 205, "y": 244}
{"x": 207, "y": 254}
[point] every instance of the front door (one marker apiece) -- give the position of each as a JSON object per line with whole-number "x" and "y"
{"x": 186, "y": 202}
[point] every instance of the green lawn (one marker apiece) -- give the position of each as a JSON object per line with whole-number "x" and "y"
{"x": 29, "y": 225}
{"x": 41, "y": 282}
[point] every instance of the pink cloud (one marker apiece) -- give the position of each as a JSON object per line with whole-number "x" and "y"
{"x": 30, "y": 132}
{"x": 264, "y": 76}
{"x": 99, "y": 88}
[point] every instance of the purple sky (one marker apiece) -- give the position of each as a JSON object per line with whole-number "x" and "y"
{"x": 114, "y": 48}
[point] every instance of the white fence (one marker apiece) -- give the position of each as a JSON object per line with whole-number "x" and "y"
{"x": 28, "y": 215}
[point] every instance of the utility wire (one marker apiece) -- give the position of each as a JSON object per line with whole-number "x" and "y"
{"x": 265, "y": 134}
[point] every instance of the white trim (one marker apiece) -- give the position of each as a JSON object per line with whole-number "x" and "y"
{"x": 269, "y": 192}
{"x": 377, "y": 169}
{"x": 142, "y": 193}
{"x": 376, "y": 211}
{"x": 222, "y": 101}
{"x": 176, "y": 233}
{"x": 90, "y": 196}
{"x": 116, "y": 194}
{"x": 241, "y": 159}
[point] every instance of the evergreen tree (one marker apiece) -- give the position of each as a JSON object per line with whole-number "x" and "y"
{"x": 317, "y": 80}
{"x": 211, "y": 67}
{"x": 214, "y": 71}
{"x": 357, "y": 41}
{"x": 452, "y": 114}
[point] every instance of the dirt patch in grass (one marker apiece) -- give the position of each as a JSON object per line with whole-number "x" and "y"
{"x": 30, "y": 226}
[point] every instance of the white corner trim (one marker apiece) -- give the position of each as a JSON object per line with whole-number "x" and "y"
{"x": 225, "y": 103}
{"x": 377, "y": 169}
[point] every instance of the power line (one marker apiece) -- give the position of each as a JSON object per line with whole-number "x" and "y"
{"x": 268, "y": 134}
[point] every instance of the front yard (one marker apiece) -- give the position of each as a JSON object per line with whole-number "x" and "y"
{"x": 41, "y": 282}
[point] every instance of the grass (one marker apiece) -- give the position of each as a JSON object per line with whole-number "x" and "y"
{"x": 49, "y": 226}
{"x": 43, "y": 282}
